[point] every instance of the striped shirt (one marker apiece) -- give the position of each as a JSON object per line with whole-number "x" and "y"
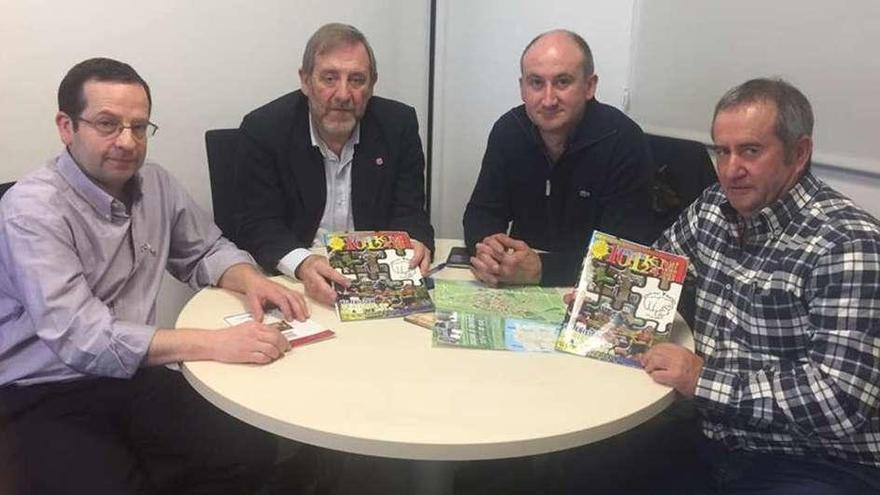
{"x": 787, "y": 322}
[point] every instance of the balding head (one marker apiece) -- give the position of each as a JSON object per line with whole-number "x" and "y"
{"x": 558, "y": 38}
{"x": 557, "y": 82}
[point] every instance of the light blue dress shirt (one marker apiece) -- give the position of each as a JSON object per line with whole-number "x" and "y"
{"x": 80, "y": 272}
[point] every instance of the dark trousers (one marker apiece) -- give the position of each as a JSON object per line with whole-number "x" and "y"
{"x": 749, "y": 473}
{"x": 669, "y": 455}
{"x": 152, "y": 434}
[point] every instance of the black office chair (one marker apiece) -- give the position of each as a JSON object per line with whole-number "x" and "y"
{"x": 221, "y": 145}
{"x": 684, "y": 171}
{"x": 5, "y": 187}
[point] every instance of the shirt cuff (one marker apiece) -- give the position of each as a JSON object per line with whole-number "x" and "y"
{"x": 291, "y": 261}
{"x": 716, "y": 389}
{"x": 128, "y": 347}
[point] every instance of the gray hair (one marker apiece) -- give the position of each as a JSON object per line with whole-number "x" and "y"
{"x": 331, "y": 36}
{"x": 794, "y": 115}
{"x": 578, "y": 40}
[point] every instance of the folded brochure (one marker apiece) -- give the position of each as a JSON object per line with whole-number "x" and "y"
{"x": 470, "y": 314}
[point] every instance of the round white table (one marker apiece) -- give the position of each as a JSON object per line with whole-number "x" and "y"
{"x": 380, "y": 388}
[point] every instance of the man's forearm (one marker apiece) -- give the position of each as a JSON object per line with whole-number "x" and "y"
{"x": 172, "y": 346}
{"x": 236, "y": 276}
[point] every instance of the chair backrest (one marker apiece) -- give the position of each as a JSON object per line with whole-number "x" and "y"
{"x": 221, "y": 145}
{"x": 5, "y": 187}
{"x": 684, "y": 171}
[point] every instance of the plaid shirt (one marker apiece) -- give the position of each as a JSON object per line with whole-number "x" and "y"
{"x": 787, "y": 322}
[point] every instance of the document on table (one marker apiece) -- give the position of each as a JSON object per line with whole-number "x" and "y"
{"x": 297, "y": 332}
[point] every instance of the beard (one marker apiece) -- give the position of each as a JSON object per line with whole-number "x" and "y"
{"x": 338, "y": 124}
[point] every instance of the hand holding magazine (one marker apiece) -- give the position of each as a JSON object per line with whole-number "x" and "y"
{"x": 383, "y": 284}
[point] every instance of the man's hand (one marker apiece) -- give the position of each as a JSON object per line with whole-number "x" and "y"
{"x": 421, "y": 257}
{"x": 316, "y": 275}
{"x": 675, "y": 366}
{"x": 501, "y": 259}
{"x": 249, "y": 342}
{"x": 261, "y": 291}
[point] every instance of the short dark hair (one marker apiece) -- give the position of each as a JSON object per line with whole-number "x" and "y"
{"x": 581, "y": 43}
{"x": 334, "y": 35}
{"x": 794, "y": 115}
{"x": 72, "y": 100}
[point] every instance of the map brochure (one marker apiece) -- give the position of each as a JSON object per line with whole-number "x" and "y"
{"x": 297, "y": 332}
{"x": 382, "y": 283}
{"x": 625, "y": 301}
{"x": 470, "y": 314}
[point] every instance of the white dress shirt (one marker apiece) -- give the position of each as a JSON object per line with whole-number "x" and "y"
{"x": 337, "y": 215}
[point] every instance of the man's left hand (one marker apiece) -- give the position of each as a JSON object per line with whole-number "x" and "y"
{"x": 675, "y": 366}
{"x": 260, "y": 292}
{"x": 421, "y": 257}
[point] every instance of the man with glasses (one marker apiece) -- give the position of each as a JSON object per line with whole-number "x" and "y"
{"x": 85, "y": 405}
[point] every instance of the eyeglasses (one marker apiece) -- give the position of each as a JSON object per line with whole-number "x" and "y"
{"x": 112, "y": 128}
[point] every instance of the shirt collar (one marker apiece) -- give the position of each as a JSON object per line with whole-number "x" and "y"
{"x": 105, "y": 204}
{"x": 775, "y": 217}
{"x": 590, "y": 129}
{"x": 354, "y": 139}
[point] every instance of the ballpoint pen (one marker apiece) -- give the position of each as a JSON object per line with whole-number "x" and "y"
{"x": 436, "y": 269}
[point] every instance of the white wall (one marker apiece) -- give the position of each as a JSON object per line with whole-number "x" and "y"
{"x": 477, "y": 68}
{"x": 207, "y": 62}
{"x": 687, "y": 53}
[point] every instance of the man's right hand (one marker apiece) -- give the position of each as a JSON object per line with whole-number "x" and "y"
{"x": 673, "y": 365}
{"x": 248, "y": 342}
{"x": 316, "y": 275}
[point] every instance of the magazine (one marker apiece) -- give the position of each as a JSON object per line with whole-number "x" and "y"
{"x": 297, "y": 332}
{"x": 382, "y": 283}
{"x": 470, "y": 314}
{"x": 625, "y": 301}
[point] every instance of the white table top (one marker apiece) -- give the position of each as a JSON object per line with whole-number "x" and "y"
{"x": 380, "y": 388}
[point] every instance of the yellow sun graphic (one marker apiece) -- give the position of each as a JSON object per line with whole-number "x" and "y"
{"x": 599, "y": 249}
{"x": 336, "y": 243}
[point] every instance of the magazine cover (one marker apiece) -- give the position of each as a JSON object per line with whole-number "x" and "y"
{"x": 383, "y": 285}
{"x": 625, "y": 301}
{"x": 297, "y": 332}
{"x": 470, "y": 314}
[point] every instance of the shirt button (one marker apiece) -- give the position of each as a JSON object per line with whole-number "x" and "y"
{"x": 583, "y": 193}
{"x": 727, "y": 286}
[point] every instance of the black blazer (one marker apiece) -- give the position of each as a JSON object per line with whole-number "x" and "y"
{"x": 281, "y": 187}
